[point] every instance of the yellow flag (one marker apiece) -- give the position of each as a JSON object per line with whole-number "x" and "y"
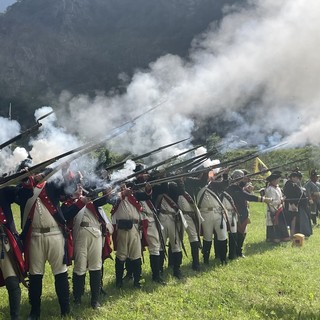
{"x": 258, "y": 166}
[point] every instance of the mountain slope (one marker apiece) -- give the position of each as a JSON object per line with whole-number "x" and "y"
{"x": 83, "y": 45}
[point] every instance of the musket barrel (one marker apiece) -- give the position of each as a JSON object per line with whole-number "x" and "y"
{"x": 26, "y": 132}
{"x": 147, "y": 154}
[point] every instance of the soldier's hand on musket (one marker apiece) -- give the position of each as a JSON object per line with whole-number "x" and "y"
{"x": 267, "y": 200}
{"x": 125, "y": 191}
{"x": 226, "y": 170}
{"x": 84, "y": 199}
{"x": 107, "y": 191}
{"x": 25, "y": 169}
{"x": 148, "y": 188}
{"x": 78, "y": 193}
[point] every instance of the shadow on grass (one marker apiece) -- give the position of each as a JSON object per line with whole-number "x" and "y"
{"x": 263, "y": 246}
{"x": 280, "y": 311}
{"x": 50, "y": 306}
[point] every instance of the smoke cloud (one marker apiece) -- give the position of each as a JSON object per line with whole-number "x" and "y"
{"x": 258, "y": 69}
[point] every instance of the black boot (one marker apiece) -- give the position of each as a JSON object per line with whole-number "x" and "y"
{"x": 62, "y": 289}
{"x": 155, "y": 268}
{"x": 136, "y": 273}
{"x": 232, "y": 246}
{"x": 119, "y": 266}
{"x": 35, "y": 292}
{"x": 102, "y": 291}
{"x": 240, "y": 241}
{"x": 170, "y": 258}
{"x": 216, "y": 247}
{"x": 206, "y": 251}
{"x": 177, "y": 260}
{"x": 14, "y": 292}
{"x": 78, "y": 287}
{"x": 195, "y": 255}
{"x": 95, "y": 282}
{"x": 129, "y": 269}
{"x": 222, "y": 249}
{"x": 161, "y": 261}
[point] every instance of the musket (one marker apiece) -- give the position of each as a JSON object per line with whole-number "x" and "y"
{"x": 198, "y": 172}
{"x": 153, "y": 166}
{"x": 27, "y": 132}
{"x": 147, "y": 154}
{"x": 159, "y": 227}
{"x": 86, "y": 148}
{"x": 114, "y": 133}
{"x": 180, "y": 231}
{"x": 17, "y": 177}
{"x": 188, "y": 162}
{"x": 273, "y": 168}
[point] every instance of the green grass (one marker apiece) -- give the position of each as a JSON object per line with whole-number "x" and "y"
{"x": 272, "y": 282}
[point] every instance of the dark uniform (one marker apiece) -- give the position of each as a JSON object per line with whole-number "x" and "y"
{"x": 240, "y": 199}
{"x": 296, "y": 206}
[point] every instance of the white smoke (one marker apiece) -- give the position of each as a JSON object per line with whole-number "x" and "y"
{"x": 258, "y": 70}
{"x": 10, "y": 156}
{"x": 52, "y": 140}
{"x": 260, "y": 65}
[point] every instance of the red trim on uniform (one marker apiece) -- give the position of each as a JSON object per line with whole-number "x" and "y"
{"x": 144, "y": 240}
{"x": 20, "y": 263}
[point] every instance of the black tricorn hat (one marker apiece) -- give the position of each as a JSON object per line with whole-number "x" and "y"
{"x": 139, "y": 167}
{"x": 296, "y": 173}
{"x": 274, "y": 175}
{"x": 26, "y": 163}
{"x": 313, "y": 173}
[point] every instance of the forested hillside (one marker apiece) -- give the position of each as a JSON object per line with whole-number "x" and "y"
{"x": 85, "y": 46}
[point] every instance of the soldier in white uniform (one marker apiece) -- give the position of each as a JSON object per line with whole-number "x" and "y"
{"x": 193, "y": 219}
{"x": 153, "y": 231}
{"x": 165, "y": 197}
{"x": 45, "y": 239}
{"x": 127, "y": 220}
{"x": 213, "y": 213}
{"x": 89, "y": 232}
{"x": 275, "y": 220}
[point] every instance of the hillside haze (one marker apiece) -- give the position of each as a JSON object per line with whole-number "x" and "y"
{"x": 86, "y": 46}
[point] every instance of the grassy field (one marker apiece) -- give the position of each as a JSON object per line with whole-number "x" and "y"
{"x": 272, "y": 282}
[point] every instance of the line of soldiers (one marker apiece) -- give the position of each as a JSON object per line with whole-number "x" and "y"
{"x": 61, "y": 224}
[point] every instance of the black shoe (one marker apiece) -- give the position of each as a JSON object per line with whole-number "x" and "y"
{"x": 159, "y": 280}
{"x": 95, "y": 305}
{"x": 137, "y": 285}
{"x": 178, "y": 274}
{"x": 65, "y": 314}
{"x": 196, "y": 267}
{"x": 103, "y": 292}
